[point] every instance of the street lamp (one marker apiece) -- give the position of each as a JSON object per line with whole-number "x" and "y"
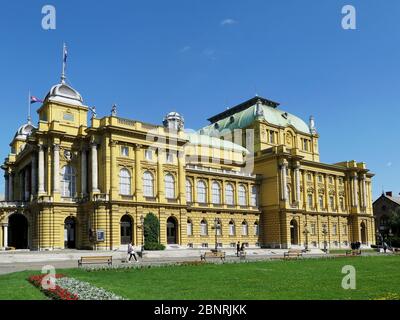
{"x": 142, "y": 227}
{"x": 324, "y": 232}
{"x": 216, "y": 227}
{"x": 305, "y": 232}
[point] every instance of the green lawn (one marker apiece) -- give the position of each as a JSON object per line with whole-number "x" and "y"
{"x": 377, "y": 277}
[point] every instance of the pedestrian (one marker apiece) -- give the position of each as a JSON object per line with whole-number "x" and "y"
{"x": 385, "y": 246}
{"x": 242, "y": 247}
{"x": 131, "y": 252}
{"x": 237, "y": 248}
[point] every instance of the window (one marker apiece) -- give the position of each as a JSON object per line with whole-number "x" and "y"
{"x": 321, "y": 201}
{"x": 68, "y": 182}
{"x": 344, "y": 228}
{"x": 245, "y": 228}
{"x": 124, "y": 151}
{"x": 124, "y": 182}
{"x": 169, "y": 186}
{"x": 201, "y": 192}
{"x": 309, "y": 177}
{"x": 231, "y": 228}
{"x": 340, "y": 181}
{"x": 272, "y": 137}
{"x": 148, "y": 154}
{"x": 169, "y": 157}
{"x": 341, "y": 201}
{"x": 148, "y": 184}
{"x": 204, "y": 245}
{"x": 305, "y": 145}
{"x": 203, "y": 228}
{"x": 331, "y": 180}
{"x": 189, "y": 194}
{"x": 310, "y": 200}
{"x": 68, "y": 117}
{"x": 189, "y": 227}
{"x": 229, "y": 195}
{"x": 313, "y": 229}
{"x": 320, "y": 178}
{"x": 242, "y": 195}
{"x": 334, "y": 229}
{"x": 331, "y": 202}
{"x": 216, "y": 193}
{"x": 254, "y": 196}
{"x": 256, "y": 229}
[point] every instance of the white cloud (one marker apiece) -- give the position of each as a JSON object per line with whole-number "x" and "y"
{"x": 228, "y": 21}
{"x": 185, "y": 49}
{"x": 389, "y": 164}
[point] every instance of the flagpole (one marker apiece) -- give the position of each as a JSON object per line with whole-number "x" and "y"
{"x": 29, "y": 107}
{"x": 63, "y": 65}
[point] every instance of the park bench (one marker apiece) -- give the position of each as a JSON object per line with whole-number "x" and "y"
{"x": 213, "y": 254}
{"x": 353, "y": 252}
{"x": 292, "y": 253}
{"x": 95, "y": 260}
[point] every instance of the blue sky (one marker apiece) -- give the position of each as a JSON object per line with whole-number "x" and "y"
{"x": 198, "y": 57}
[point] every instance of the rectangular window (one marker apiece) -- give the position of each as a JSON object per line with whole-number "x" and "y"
{"x": 189, "y": 229}
{"x": 231, "y": 229}
{"x": 313, "y": 229}
{"x": 68, "y": 117}
{"x": 309, "y": 177}
{"x": 305, "y": 145}
{"x": 320, "y": 178}
{"x": 310, "y": 200}
{"x": 334, "y": 229}
{"x": 344, "y": 228}
{"x": 169, "y": 157}
{"x": 272, "y": 137}
{"x": 331, "y": 202}
{"x": 321, "y": 201}
{"x": 124, "y": 151}
{"x": 204, "y": 245}
{"x": 148, "y": 154}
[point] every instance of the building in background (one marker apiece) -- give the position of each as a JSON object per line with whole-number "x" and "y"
{"x": 253, "y": 175}
{"x": 384, "y": 208}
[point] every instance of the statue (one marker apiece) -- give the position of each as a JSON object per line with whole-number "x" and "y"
{"x": 114, "y": 111}
{"x": 93, "y": 110}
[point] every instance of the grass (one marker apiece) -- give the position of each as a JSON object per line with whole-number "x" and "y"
{"x": 377, "y": 278}
{"x": 338, "y": 251}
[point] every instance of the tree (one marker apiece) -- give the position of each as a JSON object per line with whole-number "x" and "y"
{"x": 394, "y": 221}
{"x": 152, "y": 233}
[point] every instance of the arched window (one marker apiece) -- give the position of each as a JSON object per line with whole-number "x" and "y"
{"x": 189, "y": 227}
{"x": 124, "y": 182}
{"x": 242, "y": 195}
{"x": 169, "y": 186}
{"x": 245, "y": 228}
{"x": 201, "y": 192}
{"x": 256, "y": 229}
{"x": 148, "y": 184}
{"x": 310, "y": 200}
{"x": 229, "y": 194}
{"x": 232, "y": 230}
{"x": 216, "y": 193}
{"x": 254, "y": 196}
{"x": 189, "y": 193}
{"x": 68, "y": 182}
{"x": 219, "y": 227}
{"x": 203, "y": 228}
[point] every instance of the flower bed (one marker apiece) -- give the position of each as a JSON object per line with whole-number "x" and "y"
{"x": 56, "y": 293}
{"x": 72, "y": 289}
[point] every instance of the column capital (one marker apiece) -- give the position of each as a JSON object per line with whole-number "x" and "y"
{"x": 283, "y": 162}
{"x": 41, "y": 147}
{"x": 138, "y": 146}
{"x": 56, "y": 147}
{"x": 113, "y": 143}
{"x": 296, "y": 165}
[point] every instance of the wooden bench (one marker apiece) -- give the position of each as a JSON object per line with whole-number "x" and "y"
{"x": 292, "y": 253}
{"x": 213, "y": 254}
{"x": 95, "y": 260}
{"x": 353, "y": 252}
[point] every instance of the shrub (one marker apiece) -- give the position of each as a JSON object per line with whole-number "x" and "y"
{"x": 152, "y": 233}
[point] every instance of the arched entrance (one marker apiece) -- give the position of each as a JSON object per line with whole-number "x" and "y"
{"x": 126, "y": 229}
{"x": 18, "y": 231}
{"x": 294, "y": 233}
{"x": 172, "y": 231}
{"x": 363, "y": 232}
{"x": 70, "y": 233}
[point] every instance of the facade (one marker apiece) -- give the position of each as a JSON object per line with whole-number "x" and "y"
{"x": 384, "y": 207}
{"x": 74, "y": 184}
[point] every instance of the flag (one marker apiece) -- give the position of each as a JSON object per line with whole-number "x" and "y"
{"x": 35, "y": 100}
{"x": 65, "y": 54}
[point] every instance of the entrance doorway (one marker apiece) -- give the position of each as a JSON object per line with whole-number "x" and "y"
{"x": 294, "y": 233}
{"x": 172, "y": 231}
{"x": 363, "y": 233}
{"x": 126, "y": 229}
{"x": 18, "y": 231}
{"x": 70, "y": 233}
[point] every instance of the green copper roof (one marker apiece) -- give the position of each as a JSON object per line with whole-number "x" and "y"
{"x": 205, "y": 140}
{"x": 244, "y": 118}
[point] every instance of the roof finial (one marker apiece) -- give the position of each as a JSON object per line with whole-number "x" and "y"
{"x": 114, "y": 110}
{"x": 64, "y": 66}
{"x": 313, "y": 130}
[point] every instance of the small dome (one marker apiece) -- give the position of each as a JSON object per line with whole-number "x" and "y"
{"x": 64, "y": 93}
{"x": 24, "y": 131}
{"x": 174, "y": 120}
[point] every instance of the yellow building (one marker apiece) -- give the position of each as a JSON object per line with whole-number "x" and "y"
{"x": 253, "y": 173}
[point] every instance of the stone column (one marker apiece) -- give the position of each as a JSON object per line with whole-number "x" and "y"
{"x": 181, "y": 177}
{"x": 33, "y": 174}
{"x": 83, "y": 172}
{"x": 41, "y": 170}
{"x": 160, "y": 174}
{"x": 5, "y": 235}
{"x": 138, "y": 172}
{"x": 26, "y": 185}
{"x": 6, "y": 183}
{"x": 95, "y": 173}
{"x": 56, "y": 168}
{"x": 355, "y": 189}
{"x": 283, "y": 168}
{"x": 113, "y": 170}
{"x": 10, "y": 187}
{"x": 297, "y": 180}
{"x": 363, "y": 191}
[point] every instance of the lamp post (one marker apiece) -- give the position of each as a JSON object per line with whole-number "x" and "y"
{"x": 216, "y": 227}
{"x": 325, "y": 232}
{"x": 142, "y": 227}
{"x": 305, "y": 232}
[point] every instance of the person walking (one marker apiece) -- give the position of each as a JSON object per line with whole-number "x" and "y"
{"x": 237, "y": 248}
{"x": 242, "y": 247}
{"x": 131, "y": 252}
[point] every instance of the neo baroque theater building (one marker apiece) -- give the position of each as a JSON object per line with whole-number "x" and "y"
{"x": 74, "y": 184}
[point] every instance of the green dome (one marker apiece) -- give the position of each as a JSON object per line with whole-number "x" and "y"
{"x": 213, "y": 142}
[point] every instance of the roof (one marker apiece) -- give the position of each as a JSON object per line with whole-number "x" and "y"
{"x": 64, "y": 93}
{"x": 243, "y": 115}
{"x": 213, "y": 142}
{"x": 393, "y": 199}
